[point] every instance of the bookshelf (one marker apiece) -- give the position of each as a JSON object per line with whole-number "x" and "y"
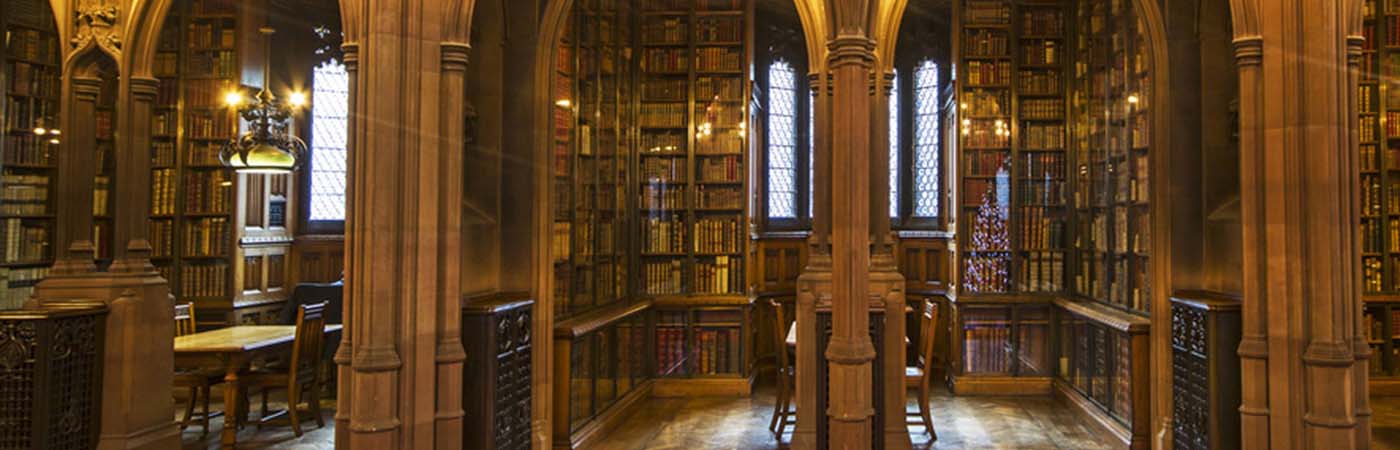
{"x": 29, "y": 84}
{"x": 105, "y": 168}
{"x": 215, "y": 234}
{"x": 1110, "y": 101}
{"x": 650, "y": 140}
{"x": 1378, "y": 110}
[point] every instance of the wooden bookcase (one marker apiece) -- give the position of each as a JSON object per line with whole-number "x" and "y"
{"x": 220, "y": 238}
{"x": 29, "y": 85}
{"x": 105, "y": 167}
{"x": 1378, "y": 113}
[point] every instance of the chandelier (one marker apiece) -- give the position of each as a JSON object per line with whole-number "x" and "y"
{"x": 267, "y": 147}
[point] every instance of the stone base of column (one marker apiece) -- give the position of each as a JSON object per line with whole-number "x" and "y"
{"x": 139, "y": 361}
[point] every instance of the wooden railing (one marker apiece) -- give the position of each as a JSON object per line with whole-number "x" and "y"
{"x": 51, "y": 376}
{"x": 1103, "y": 368}
{"x": 601, "y": 369}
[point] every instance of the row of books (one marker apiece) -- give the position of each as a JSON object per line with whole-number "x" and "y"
{"x": 663, "y": 142}
{"x": 719, "y": 59}
{"x": 712, "y": 197}
{"x": 25, "y": 241}
{"x": 984, "y": 134}
{"x": 162, "y": 237}
{"x": 27, "y": 276}
{"x": 1043, "y": 272}
{"x": 716, "y": 115}
{"x": 163, "y": 186}
{"x": 670, "y": 349}
{"x": 663, "y": 60}
{"x": 987, "y": 73}
{"x": 207, "y": 236}
{"x": 658, "y": 196}
{"x": 716, "y": 351}
{"x": 1042, "y": 22}
{"x": 1394, "y": 235}
{"x": 25, "y": 188}
{"x": 1040, "y": 229}
{"x": 1043, "y": 108}
{"x": 981, "y": 42}
{"x": 718, "y": 235}
{"x": 28, "y": 149}
{"x": 204, "y": 280}
{"x": 663, "y": 236}
{"x": 720, "y": 169}
{"x": 1040, "y": 52}
{"x": 560, "y": 240}
{"x": 101, "y": 194}
{"x": 719, "y": 29}
{"x": 987, "y": 12}
{"x": 669, "y": 89}
{"x": 664, "y": 169}
{"x": 722, "y": 144}
{"x": 985, "y": 349}
{"x": 23, "y": 113}
{"x": 222, "y": 64}
{"x": 1038, "y": 82}
{"x": 1040, "y": 192}
{"x": 1043, "y": 137}
{"x": 661, "y": 277}
{"x": 211, "y": 35}
{"x": 718, "y": 277}
{"x": 32, "y": 45}
{"x": 981, "y": 102}
{"x": 163, "y": 154}
{"x": 208, "y": 192}
{"x": 206, "y": 93}
{"x": 721, "y": 88}
{"x": 662, "y": 115}
{"x": 209, "y": 125}
{"x": 32, "y": 80}
{"x": 664, "y": 30}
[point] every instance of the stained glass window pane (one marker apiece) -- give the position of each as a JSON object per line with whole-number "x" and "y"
{"x": 782, "y": 143}
{"x": 926, "y": 183}
{"x": 894, "y": 147}
{"x": 330, "y": 101}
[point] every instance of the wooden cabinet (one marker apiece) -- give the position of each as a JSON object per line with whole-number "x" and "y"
{"x": 496, "y": 333}
{"x": 1103, "y": 367}
{"x": 1205, "y": 374}
{"x": 601, "y": 370}
{"x": 1000, "y": 345}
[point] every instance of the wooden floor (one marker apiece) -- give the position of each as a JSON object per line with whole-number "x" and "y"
{"x": 741, "y": 424}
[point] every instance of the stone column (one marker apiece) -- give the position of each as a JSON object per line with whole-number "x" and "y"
{"x": 851, "y": 58}
{"x": 814, "y": 285}
{"x": 1299, "y": 178}
{"x": 886, "y": 283}
{"x": 1360, "y": 347}
{"x": 403, "y": 230}
{"x": 343, "y": 355}
{"x": 132, "y": 189}
{"x": 74, "y": 252}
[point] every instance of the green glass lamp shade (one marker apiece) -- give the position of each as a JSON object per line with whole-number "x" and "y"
{"x": 262, "y": 158}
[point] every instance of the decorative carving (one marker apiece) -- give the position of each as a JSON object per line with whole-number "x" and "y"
{"x": 95, "y": 22}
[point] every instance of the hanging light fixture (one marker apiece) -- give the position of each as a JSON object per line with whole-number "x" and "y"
{"x": 44, "y": 132}
{"x": 267, "y": 146}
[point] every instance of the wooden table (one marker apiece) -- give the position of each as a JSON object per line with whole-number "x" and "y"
{"x": 232, "y": 349}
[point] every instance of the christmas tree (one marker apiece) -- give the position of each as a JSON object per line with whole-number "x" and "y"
{"x": 988, "y": 256}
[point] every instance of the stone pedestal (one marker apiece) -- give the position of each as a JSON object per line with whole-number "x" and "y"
{"x": 138, "y": 368}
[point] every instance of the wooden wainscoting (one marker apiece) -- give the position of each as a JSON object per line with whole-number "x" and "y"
{"x": 318, "y": 258}
{"x": 926, "y": 260}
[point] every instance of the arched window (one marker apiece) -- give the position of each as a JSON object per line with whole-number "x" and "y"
{"x": 782, "y": 141}
{"x": 926, "y": 155}
{"x": 330, "y": 102}
{"x": 894, "y": 146}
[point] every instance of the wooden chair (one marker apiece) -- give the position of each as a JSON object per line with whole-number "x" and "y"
{"x": 921, "y": 374}
{"x": 784, "y": 413}
{"x": 302, "y": 375}
{"x": 197, "y": 381}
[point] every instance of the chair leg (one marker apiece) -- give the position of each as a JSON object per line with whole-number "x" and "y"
{"x": 204, "y": 405}
{"x": 777, "y": 407}
{"x": 315, "y": 402}
{"x": 293, "y": 397}
{"x": 189, "y": 408}
{"x": 783, "y": 406}
{"x": 924, "y": 409}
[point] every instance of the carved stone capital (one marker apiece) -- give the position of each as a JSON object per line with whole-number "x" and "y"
{"x": 1249, "y": 51}
{"x": 1254, "y": 347}
{"x": 455, "y": 56}
{"x": 351, "y": 52}
{"x": 1354, "y": 46}
{"x": 376, "y": 358}
{"x": 144, "y": 89}
{"x": 96, "y": 22}
{"x": 1328, "y": 354}
{"x": 86, "y": 88}
{"x": 846, "y": 50}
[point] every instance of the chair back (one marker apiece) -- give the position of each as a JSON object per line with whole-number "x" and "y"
{"x": 780, "y": 333}
{"x": 184, "y": 319}
{"x": 310, "y": 338}
{"x": 928, "y": 336}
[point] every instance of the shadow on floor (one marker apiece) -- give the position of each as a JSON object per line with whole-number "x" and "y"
{"x": 270, "y": 437}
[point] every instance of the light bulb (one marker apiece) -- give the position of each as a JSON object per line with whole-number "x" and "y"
{"x": 1133, "y": 99}
{"x": 54, "y": 132}
{"x": 40, "y": 131}
{"x": 563, "y": 103}
{"x": 54, "y": 141}
{"x": 233, "y": 98}
{"x": 296, "y": 99}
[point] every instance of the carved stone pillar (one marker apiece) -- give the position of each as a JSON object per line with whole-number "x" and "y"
{"x": 1360, "y": 347}
{"x": 1299, "y": 178}
{"x": 343, "y": 355}
{"x": 74, "y": 252}
{"x": 886, "y": 283}
{"x": 851, "y": 58}
{"x": 132, "y": 252}
{"x": 1254, "y": 348}
{"x": 814, "y": 285}
{"x": 403, "y": 228}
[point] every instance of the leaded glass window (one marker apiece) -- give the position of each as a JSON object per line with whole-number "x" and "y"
{"x": 894, "y": 146}
{"x": 330, "y": 101}
{"x": 926, "y": 158}
{"x": 782, "y": 142}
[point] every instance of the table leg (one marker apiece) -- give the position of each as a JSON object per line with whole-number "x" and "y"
{"x": 231, "y": 399}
